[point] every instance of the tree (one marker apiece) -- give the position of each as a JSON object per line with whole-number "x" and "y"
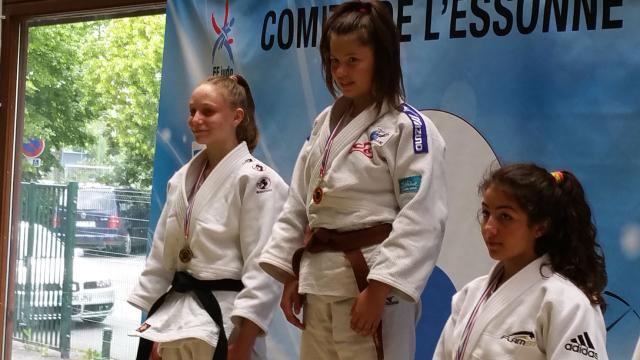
{"x": 124, "y": 68}
{"x": 57, "y": 108}
{"x": 96, "y": 85}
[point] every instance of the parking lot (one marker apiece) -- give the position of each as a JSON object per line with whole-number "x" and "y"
{"x": 86, "y": 337}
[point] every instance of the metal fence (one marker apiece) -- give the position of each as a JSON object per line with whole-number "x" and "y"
{"x": 55, "y": 220}
{"x": 44, "y": 266}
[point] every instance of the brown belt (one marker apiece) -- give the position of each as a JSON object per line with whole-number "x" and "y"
{"x": 350, "y": 243}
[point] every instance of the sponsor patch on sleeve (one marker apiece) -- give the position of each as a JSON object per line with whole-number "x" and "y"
{"x": 410, "y": 184}
{"x": 419, "y": 129}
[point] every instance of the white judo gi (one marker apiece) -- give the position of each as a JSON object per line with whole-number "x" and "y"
{"x": 385, "y": 167}
{"x": 535, "y": 314}
{"x": 232, "y": 216}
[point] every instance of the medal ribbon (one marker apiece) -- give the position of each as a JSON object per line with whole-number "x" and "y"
{"x": 472, "y": 319}
{"x": 327, "y": 149}
{"x": 196, "y": 186}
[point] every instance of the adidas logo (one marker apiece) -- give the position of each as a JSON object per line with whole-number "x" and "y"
{"x": 582, "y": 344}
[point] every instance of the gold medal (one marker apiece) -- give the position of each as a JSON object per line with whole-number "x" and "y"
{"x": 185, "y": 254}
{"x": 317, "y": 195}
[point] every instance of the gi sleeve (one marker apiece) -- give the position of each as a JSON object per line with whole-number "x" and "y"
{"x": 569, "y": 327}
{"x": 416, "y": 163}
{"x": 288, "y": 232}
{"x": 262, "y": 194}
{"x": 155, "y": 278}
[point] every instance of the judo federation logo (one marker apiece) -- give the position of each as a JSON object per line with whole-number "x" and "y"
{"x": 224, "y": 40}
{"x": 379, "y": 136}
{"x": 263, "y": 185}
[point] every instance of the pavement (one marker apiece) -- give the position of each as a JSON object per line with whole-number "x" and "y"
{"x": 22, "y": 351}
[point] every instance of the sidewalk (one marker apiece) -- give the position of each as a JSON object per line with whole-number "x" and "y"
{"x": 21, "y": 351}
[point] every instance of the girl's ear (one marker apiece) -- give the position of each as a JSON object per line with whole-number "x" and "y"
{"x": 238, "y": 116}
{"x": 541, "y": 228}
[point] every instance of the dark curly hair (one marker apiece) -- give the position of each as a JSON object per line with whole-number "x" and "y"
{"x": 570, "y": 237}
{"x": 238, "y": 94}
{"x": 374, "y": 26}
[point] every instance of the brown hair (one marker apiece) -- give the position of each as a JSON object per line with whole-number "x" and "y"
{"x": 238, "y": 94}
{"x": 373, "y": 25}
{"x": 570, "y": 239}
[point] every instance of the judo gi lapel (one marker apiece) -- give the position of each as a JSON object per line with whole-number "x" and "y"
{"x": 221, "y": 173}
{"x": 348, "y": 135}
{"x": 508, "y": 292}
{"x": 190, "y": 177}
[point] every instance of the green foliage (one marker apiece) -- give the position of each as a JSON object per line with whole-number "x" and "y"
{"x": 95, "y": 86}
{"x": 127, "y": 94}
{"x": 55, "y": 96}
{"x": 91, "y": 354}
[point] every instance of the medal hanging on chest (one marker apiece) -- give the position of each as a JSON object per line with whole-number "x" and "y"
{"x": 186, "y": 254}
{"x": 318, "y": 192}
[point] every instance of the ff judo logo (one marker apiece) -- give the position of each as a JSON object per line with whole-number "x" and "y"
{"x": 224, "y": 40}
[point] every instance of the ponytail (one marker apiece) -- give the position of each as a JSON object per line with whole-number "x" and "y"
{"x": 558, "y": 199}
{"x": 239, "y": 95}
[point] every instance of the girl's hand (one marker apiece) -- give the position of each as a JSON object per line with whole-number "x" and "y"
{"x": 240, "y": 346}
{"x": 367, "y": 308}
{"x": 239, "y": 352}
{"x": 291, "y": 302}
{"x": 154, "y": 352}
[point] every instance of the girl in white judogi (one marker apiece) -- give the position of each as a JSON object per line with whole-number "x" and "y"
{"x": 219, "y": 213}
{"x": 543, "y": 299}
{"x": 368, "y": 193}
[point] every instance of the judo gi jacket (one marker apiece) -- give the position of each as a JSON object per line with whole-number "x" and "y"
{"x": 535, "y": 314}
{"x": 384, "y": 166}
{"x": 231, "y": 219}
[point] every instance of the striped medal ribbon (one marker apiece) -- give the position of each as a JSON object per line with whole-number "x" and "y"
{"x": 318, "y": 192}
{"x": 474, "y": 314}
{"x": 185, "y": 253}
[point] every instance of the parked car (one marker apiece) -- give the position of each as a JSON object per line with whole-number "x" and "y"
{"x": 92, "y": 296}
{"x": 99, "y": 223}
{"x": 134, "y": 206}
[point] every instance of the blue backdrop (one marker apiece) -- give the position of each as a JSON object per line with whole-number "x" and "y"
{"x": 550, "y": 81}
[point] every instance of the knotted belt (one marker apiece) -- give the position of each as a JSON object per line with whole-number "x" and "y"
{"x": 350, "y": 243}
{"x": 184, "y": 282}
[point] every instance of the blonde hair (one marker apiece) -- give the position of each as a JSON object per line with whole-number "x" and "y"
{"x": 238, "y": 94}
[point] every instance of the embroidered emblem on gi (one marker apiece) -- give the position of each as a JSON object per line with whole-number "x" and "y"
{"x": 378, "y": 136}
{"x": 248, "y": 161}
{"x": 258, "y": 167}
{"x": 582, "y": 344}
{"x": 523, "y": 338}
{"x": 143, "y": 327}
{"x": 364, "y": 148}
{"x": 391, "y": 300}
{"x": 263, "y": 185}
{"x": 410, "y": 184}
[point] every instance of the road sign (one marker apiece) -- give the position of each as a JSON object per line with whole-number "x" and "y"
{"x": 36, "y": 162}
{"x": 33, "y": 148}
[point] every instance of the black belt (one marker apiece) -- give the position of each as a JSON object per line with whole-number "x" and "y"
{"x": 182, "y": 283}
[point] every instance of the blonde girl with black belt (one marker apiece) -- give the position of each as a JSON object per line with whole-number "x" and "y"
{"x": 206, "y": 296}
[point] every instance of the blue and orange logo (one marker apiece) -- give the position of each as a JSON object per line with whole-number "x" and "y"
{"x": 223, "y": 33}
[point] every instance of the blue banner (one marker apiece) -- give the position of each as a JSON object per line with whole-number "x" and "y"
{"x": 549, "y": 81}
